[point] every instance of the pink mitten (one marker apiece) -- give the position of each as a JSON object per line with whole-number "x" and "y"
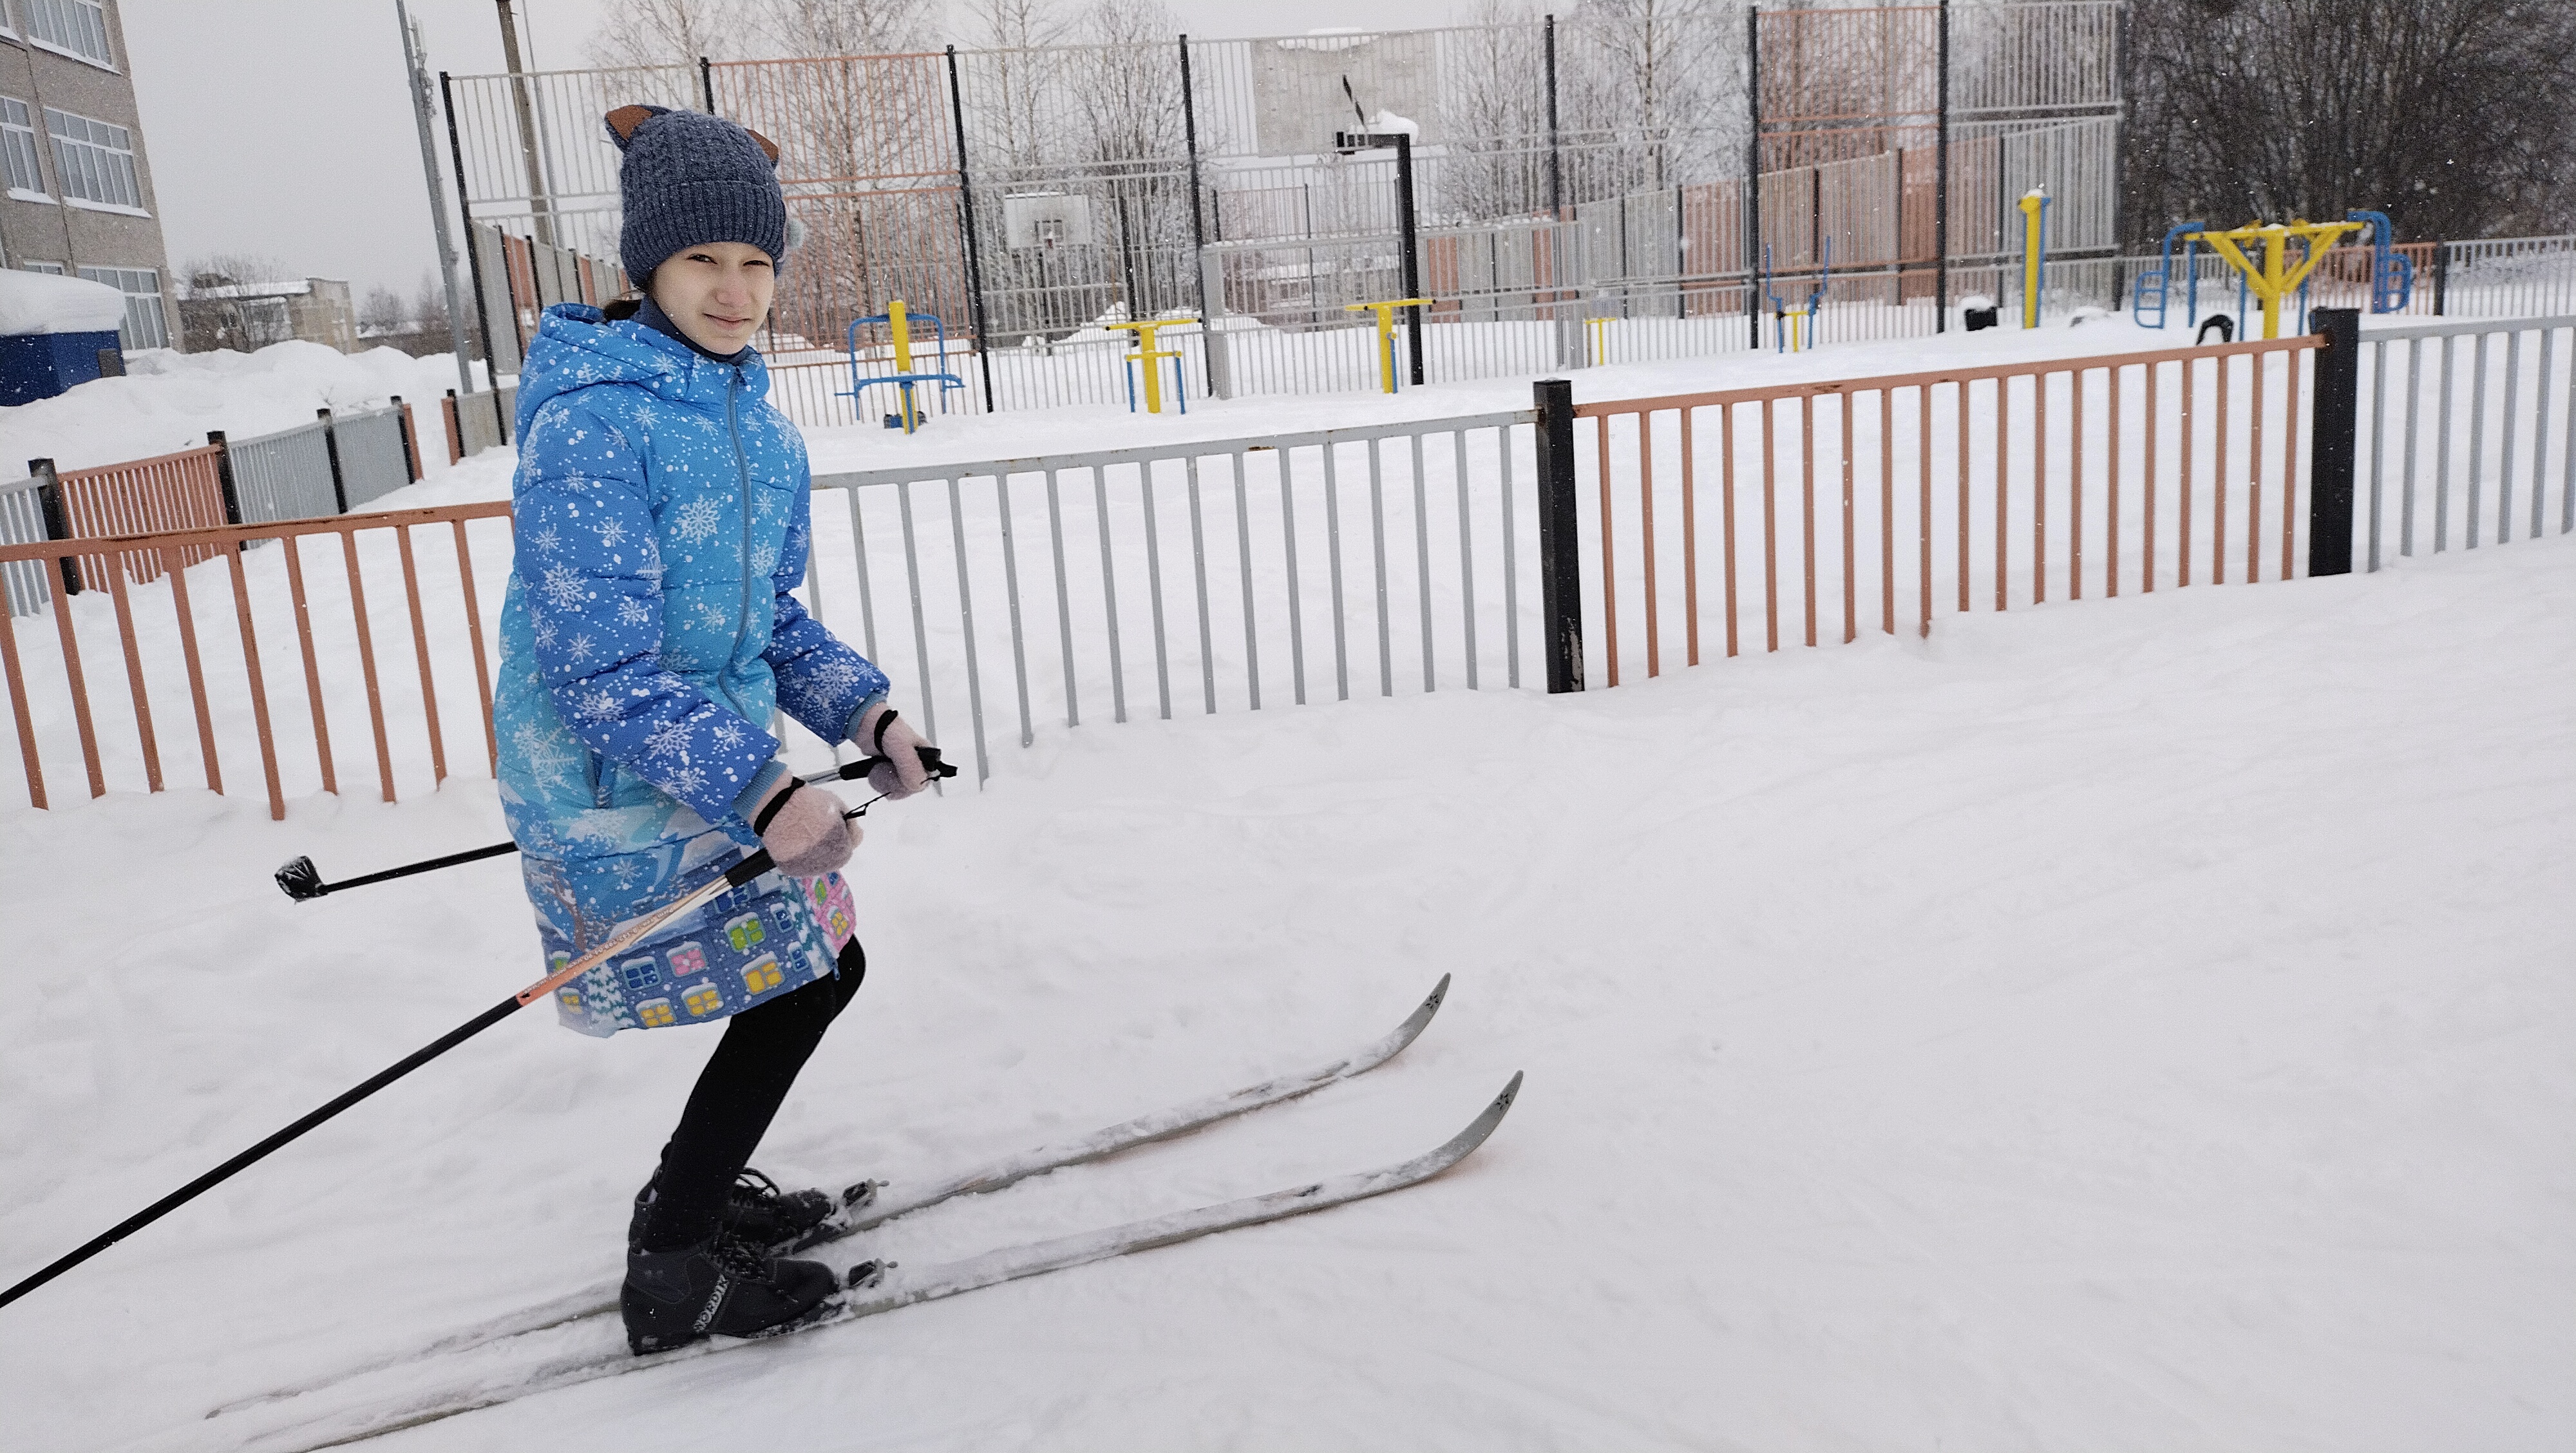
{"x": 803, "y": 829}
{"x": 902, "y": 773}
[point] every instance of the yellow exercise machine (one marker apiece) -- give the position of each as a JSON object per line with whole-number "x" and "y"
{"x": 2275, "y": 277}
{"x": 1386, "y": 334}
{"x": 1148, "y": 355}
{"x": 2034, "y": 253}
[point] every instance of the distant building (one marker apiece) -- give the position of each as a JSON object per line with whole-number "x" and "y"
{"x": 79, "y": 192}
{"x": 248, "y": 316}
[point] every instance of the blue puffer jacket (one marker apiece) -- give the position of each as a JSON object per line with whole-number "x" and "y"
{"x": 663, "y": 511}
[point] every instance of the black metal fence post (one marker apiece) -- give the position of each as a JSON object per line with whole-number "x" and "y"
{"x": 966, "y": 214}
{"x": 1412, "y": 254}
{"x": 1753, "y": 175}
{"x": 707, "y": 83}
{"x": 1555, "y": 145}
{"x": 58, "y": 520}
{"x": 2441, "y": 279}
{"x": 224, "y": 475}
{"x": 465, "y": 215}
{"x": 1560, "y": 560}
{"x": 1941, "y": 185}
{"x": 2333, "y": 427}
{"x": 331, "y": 446}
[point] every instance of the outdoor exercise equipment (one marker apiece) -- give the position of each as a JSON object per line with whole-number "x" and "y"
{"x": 2034, "y": 253}
{"x": 898, "y": 321}
{"x": 1386, "y": 334}
{"x": 1148, "y": 355}
{"x": 2392, "y": 273}
{"x": 1795, "y": 329}
{"x": 2275, "y": 276}
{"x": 2155, "y": 286}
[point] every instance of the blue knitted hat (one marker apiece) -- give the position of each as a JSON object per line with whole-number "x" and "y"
{"x": 687, "y": 179}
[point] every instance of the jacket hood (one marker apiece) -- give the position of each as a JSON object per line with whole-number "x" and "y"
{"x": 577, "y": 347}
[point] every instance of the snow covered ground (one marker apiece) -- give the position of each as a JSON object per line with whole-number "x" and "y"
{"x": 168, "y": 400}
{"x": 2136, "y": 1024}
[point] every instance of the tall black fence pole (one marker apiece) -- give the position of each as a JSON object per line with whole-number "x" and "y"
{"x": 2333, "y": 428}
{"x": 1753, "y": 174}
{"x": 224, "y": 475}
{"x": 1941, "y": 183}
{"x": 1555, "y": 147}
{"x": 1198, "y": 223}
{"x": 707, "y": 83}
{"x": 966, "y": 210}
{"x": 1560, "y": 560}
{"x": 1412, "y": 254}
{"x": 465, "y": 214}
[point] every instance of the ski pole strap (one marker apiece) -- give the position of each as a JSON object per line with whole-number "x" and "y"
{"x": 769, "y": 813}
{"x": 930, "y": 761}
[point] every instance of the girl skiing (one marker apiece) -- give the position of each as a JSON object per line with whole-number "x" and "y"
{"x": 663, "y": 512}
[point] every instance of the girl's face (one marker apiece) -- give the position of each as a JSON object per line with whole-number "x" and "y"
{"x": 717, "y": 292}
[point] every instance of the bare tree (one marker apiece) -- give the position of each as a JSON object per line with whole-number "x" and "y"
{"x": 2449, "y": 115}
{"x": 843, "y": 27}
{"x": 429, "y": 308}
{"x": 381, "y": 313}
{"x": 638, "y": 33}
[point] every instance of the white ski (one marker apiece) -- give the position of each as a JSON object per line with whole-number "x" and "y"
{"x": 865, "y": 1204}
{"x": 598, "y": 1350}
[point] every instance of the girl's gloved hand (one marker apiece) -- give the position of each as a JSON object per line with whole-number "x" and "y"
{"x": 902, "y": 773}
{"x": 803, "y": 829}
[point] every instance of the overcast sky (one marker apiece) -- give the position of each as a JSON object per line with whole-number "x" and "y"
{"x": 282, "y": 127}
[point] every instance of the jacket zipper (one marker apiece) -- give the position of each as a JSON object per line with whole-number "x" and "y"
{"x": 742, "y": 474}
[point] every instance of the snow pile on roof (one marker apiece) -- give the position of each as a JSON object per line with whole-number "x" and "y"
{"x": 168, "y": 401}
{"x": 36, "y": 302}
{"x": 289, "y": 288}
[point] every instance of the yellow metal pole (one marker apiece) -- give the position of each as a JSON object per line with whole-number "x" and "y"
{"x": 899, "y": 324}
{"x": 2031, "y": 205}
{"x": 1386, "y": 334}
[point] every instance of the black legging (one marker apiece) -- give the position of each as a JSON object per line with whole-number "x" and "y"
{"x": 736, "y": 1096}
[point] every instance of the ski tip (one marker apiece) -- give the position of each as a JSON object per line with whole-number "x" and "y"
{"x": 1439, "y": 994}
{"x": 1510, "y": 1093}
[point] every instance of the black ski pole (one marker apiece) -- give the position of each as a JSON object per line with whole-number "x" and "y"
{"x": 301, "y": 881}
{"x": 734, "y": 877}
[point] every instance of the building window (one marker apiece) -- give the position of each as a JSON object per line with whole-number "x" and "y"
{"x": 94, "y": 160}
{"x": 146, "y": 326}
{"x": 18, "y": 151}
{"x": 77, "y": 26}
{"x": 54, "y": 269}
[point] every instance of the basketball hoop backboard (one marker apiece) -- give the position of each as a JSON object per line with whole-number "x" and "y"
{"x": 1033, "y": 221}
{"x": 1307, "y": 90}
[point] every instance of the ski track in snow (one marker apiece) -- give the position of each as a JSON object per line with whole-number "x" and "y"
{"x": 2136, "y": 1024}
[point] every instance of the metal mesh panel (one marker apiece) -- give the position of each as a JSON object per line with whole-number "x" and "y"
{"x": 373, "y": 462}
{"x": 22, "y": 522}
{"x": 284, "y": 476}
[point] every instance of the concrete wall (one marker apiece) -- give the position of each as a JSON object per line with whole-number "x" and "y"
{"x": 70, "y": 235}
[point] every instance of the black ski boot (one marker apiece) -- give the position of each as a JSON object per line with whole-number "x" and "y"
{"x": 756, "y": 1210}
{"x": 721, "y": 1287}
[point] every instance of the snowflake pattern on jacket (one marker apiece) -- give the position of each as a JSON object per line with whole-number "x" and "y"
{"x": 663, "y": 511}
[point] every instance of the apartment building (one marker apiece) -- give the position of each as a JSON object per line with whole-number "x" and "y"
{"x": 79, "y": 194}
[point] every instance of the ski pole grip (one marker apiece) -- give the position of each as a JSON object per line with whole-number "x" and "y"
{"x": 930, "y": 759}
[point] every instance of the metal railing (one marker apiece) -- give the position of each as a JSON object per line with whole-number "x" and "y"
{"x": 2515, "y": 383}
{"x": 1194, "y": 575}
{"x": 2085, "y": 459}
{"x": 284, "y": 476}
{"x": 320, "y": 598}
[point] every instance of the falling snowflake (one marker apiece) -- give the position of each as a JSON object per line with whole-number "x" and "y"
{"x": 696, "y": 522}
